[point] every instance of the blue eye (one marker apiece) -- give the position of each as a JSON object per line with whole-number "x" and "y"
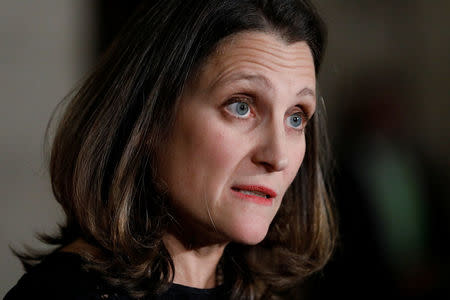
{"x": 239, "y": 109}
{"x": 295, "y": 120}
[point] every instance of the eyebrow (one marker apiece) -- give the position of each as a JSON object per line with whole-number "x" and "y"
{"x": 306, "y": 92}
{"x": 260, "y": 79}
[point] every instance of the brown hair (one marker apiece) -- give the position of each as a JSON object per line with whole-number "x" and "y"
{"x": 102, "y": 163}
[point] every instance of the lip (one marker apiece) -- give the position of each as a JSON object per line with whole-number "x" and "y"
{"x": 253, "y": 198}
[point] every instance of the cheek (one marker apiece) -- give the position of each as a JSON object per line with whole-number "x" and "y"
{"x": 215, "y": 148}
{"x": 206, "y": 152}
{"x": 296, "y": 156}
{"x": 200, "y": 159}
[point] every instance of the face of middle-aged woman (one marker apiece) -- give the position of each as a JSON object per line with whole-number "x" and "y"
{"x": 238, "y": 138}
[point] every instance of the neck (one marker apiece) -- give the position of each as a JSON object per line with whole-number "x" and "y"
{"x": 195, "y": 266}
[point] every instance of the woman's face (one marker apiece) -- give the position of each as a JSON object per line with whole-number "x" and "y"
{"x": 238, "y": 138}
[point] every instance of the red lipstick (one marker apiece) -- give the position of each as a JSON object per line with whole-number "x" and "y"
{"x": 255, "y": 193}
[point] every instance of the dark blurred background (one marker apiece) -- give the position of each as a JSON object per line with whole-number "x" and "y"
{"x": 385, "y": 83}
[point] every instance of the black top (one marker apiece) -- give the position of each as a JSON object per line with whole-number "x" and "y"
{"x": 60, "y": 276}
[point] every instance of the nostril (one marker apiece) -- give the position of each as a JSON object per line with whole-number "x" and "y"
{"x": 278, "y": 165}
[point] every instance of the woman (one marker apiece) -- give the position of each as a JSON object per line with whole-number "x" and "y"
{"x": 191, "y": 162}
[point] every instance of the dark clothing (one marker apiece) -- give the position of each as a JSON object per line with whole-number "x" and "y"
{"x": 61, "y": 276}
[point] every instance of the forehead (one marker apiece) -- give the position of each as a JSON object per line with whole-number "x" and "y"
{"x": 260, "y": 52}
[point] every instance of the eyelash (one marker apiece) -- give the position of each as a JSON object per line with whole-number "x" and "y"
{"x": 234, "y": 100}
{"x": 304, "y": 116}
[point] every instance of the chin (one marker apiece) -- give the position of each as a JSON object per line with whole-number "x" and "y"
{"x": 252, "y": 240}
{"x": 249, "y": 233}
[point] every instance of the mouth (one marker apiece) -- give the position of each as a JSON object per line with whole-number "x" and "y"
{"x": 255, "y": 193}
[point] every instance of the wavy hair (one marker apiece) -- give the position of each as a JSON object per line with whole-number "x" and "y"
{"x": 102, "y": 163}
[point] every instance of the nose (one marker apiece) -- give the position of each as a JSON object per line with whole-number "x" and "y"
{"x": 272, "y": 150}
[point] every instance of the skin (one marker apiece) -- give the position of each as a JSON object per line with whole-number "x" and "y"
{"x": 212, "y": 148}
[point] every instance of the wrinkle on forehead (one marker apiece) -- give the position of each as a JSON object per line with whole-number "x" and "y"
{"x": 266, "y": 43}
{"x": 255, "y": 53}
{"x": 260, "y": 51}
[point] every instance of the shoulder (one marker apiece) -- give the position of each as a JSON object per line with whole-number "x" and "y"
{"x": 59, "y": 276}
